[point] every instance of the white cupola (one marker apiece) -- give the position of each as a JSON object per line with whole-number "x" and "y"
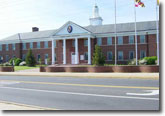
{"x": 96, "y": 19}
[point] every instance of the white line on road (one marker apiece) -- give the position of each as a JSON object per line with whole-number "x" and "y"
{"x": 82, "y": 94}
{"x": 152, "y": 92}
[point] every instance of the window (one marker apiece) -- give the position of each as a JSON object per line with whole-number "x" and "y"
{"x": 0, "y": 47}
{"x": 55, "y": 57}
{"x": 24, "y": 46}
{"x": 54, "y": 44}
{"x": 13, "y": 46}
{"x": 46, "y": 44}
{"x": 142, "y": 54}
{"x": 38, "y": 45}
{"x": 109, "y": 56}
{"x": 38, "y": 57}
{"x": 120, "y": 55}
{"x": 99, "y": 41}
{"x": 31, "y": 45}
{"x": 1, "y": 59}
{"x": 13, "y": 56}
{"x": 46, "y": 56}
{"x": 131, "y": 39}
{"x": 131, "y": 55}
{"x": 23, "y": 57}
{"x": 86, "y": 55}
{"x": 7, "y": 58}
{"x": 142, "y": 38}
{"x": 120, "y": 40}
{"x": 85, "y": 42}
{"x": 109, "y": 41}
{"x": 73, "y": 43}
{"x": 7, "y": 47}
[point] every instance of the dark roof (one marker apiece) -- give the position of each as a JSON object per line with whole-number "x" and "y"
{"x": 101, "y": 29}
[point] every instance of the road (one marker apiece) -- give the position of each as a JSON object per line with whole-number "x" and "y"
{"x": 66, "y": 93}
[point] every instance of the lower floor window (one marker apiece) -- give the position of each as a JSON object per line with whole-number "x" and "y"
{"x": 23, "y": 57}
{"x": 120, "y": 55}
{"x": 7, "y": 58}
{"x": 109, "y": 56}
{"x": 38, "y": 57}
{"x": 86, "y": 55}
{"x": 142, "y": 54}
{"x": 131, "y": 55}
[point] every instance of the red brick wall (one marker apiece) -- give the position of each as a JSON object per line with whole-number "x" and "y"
{"x": 149, "y": 47}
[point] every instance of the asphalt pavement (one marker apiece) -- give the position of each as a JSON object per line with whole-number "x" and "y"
{"x": 67, "y": 93}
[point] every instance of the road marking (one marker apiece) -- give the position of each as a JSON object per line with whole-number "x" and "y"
{"x": 25, "y": 105}
{"x": 152, "y": 92}
{"x": 81, "y": 94}
{"x": 86, "y": 85}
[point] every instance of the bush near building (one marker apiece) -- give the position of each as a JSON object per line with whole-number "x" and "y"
{"x": 98, "y": 58}
{"x": 151, "y": 60}
{"x": 30, "y": 60}
{"x": 145, "y": 61}
{"x": 15, "y": 61}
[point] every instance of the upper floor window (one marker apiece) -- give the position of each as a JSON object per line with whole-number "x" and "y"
{"x": 7, "y": 47}
{"x": 142, "y": 38}
{"x": 120, "y": 40}
{"x": 0, "y": 47}
{"x": 85, "y": 42}
{"x": 99, "y": 41}
{"x": 131, "y": 39}
{"x": 38, "y": 45}
{"x": 13, "y": 46}
{"x": 142, "y": 54}
{"x": 24, "y": 46}
{"x": 120, "y": 55}
{"x": 46, "y": 44}
{"x": 109, "y": 41}
{"x": 109, "y": 56}
{"x": 31, "y": 45}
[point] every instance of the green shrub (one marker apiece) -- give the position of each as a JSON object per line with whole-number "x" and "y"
{"x": 151, "y": 60}
{"x": 98, "y": 58}
{"x": 11, "y": 61}
{"x": 18, "y": 61}
{"x": 30, "y": 60}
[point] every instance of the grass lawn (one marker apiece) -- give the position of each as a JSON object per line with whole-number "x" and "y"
{"x": 16, "y": 68}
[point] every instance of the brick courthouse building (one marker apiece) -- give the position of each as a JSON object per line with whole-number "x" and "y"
{"x": 74, "y": 44}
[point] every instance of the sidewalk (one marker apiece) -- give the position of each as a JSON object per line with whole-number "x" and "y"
{"x": 83, "y": 75}
{"x": 14, "y": 106}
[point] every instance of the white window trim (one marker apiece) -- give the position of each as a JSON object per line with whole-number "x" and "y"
{"x": 108, "y": 57}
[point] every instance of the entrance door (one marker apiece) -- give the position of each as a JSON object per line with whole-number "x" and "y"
{"x": 73, "y": 58}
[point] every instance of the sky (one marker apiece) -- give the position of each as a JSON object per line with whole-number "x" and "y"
{"x": 18, "y": 16}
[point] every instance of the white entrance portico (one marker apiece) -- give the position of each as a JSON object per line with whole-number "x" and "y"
{"x": 71, "y": 31}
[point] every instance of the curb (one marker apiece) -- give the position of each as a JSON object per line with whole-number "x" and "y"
{"x": 85, "y": 75}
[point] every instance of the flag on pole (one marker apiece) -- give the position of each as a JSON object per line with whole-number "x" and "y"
{"x": 139, "y": 3}
{"x": 158, "y": 2}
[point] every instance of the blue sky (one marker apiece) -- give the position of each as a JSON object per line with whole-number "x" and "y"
{"x": 17, "y": 16}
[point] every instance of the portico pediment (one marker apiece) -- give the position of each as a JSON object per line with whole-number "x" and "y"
{"x": 71, "y": 28}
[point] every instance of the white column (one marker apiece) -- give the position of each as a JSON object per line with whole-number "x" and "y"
{"x": 89, "y": 50}
{"x": 76, "y": 51}
{"x": 64, "y": 51}
{"x": 53, "y": 60}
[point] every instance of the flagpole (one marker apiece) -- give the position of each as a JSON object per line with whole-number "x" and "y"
{"x": 135, "y": 35}
{"x": 157, "y": 26}
{"x": 115, "y": 37}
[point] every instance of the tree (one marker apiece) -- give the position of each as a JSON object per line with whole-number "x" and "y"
{"x": 98, "y": 58}
{"x": 30, "y": 60}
